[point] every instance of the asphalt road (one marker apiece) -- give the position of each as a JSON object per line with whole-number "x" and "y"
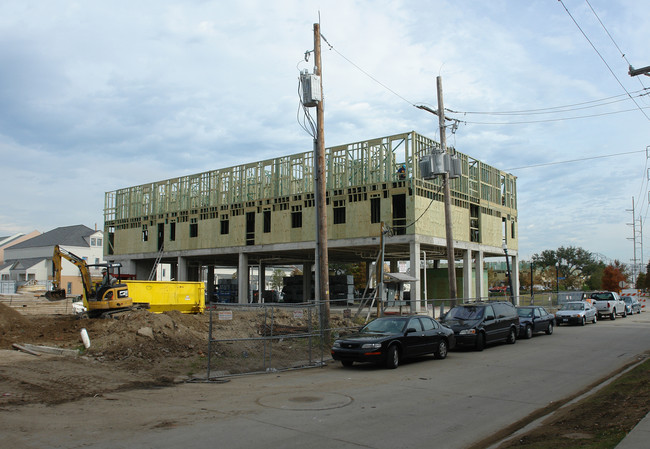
{"x": 450, "y": 403}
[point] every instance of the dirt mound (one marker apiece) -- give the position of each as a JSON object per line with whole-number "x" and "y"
{"x": 148, "y": 336}
{"x": 135, "y": 349}
{"x": 10, "y": 319}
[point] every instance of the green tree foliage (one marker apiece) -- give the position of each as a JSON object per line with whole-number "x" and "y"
{"x": 277, "y": 280}
{"x": 595, "y": 280}
{"x": 640, "y": 281}
{"x": 612, "y": 275}
{"x": 574, "y": 264}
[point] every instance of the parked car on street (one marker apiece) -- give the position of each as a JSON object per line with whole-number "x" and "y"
{"x": 632, "y": 305}
{"x": 388, "y": 340}
{"x": 576, "y": 312}
{"x": 480, "y": 323}
{"x": 534, "y": 319}
{"x": 608, "y": 304}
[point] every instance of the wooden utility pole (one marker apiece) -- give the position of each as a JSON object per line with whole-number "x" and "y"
{"x": 451, "y": 262}
{"x": 321, "y": 187}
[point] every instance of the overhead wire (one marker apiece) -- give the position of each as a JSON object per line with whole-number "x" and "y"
{"x": 603, "y": 156}
{"x": 555, "y": 109}
{"x": 602, "y": 58}
{"x": 612, "y": 39}
{"x": 645, "y": 201}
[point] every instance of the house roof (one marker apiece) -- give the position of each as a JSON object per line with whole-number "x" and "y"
{"x": 66, "y": 235}
{"x": 23, "y": 264}
{"x": 4, "y": 266}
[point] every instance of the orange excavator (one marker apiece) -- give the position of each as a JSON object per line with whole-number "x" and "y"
{"x": 100, "y": 299}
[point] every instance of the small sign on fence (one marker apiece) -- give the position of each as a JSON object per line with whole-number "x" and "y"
{"x": 225, "y": 315}
{"x": 298, "y": 314}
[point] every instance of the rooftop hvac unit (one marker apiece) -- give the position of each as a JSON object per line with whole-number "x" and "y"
{"x": 310, "y": 90}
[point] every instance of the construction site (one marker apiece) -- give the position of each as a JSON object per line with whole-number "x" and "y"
{"x": 262, "y": 214}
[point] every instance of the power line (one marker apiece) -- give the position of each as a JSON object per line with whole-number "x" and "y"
{"x": 603, "y": 59}
{"x": 555, "y": 109}
{"x": 552, "y": 119}
{"x": 575, "y": 160}
{"x": 612, "y": 39}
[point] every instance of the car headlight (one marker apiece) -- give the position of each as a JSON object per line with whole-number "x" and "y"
{"x": 337, "y": 344}
{"x": 467, "y": 331}
{"x": 371, "y": 346}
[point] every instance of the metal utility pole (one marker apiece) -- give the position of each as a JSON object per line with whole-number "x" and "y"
{"x": 321, "y": 186}
{"x": 635, "y": 261}
{"x": 451, "y": 261}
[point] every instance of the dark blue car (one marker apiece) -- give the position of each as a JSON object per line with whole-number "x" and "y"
{"x": 534, "y": 319}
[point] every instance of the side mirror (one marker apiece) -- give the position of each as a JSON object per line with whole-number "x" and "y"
{"x": 489, "y": 317}
{"x": 410, "y": 330}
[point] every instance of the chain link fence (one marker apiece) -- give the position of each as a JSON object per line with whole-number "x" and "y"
{"x": 255, "y": 338}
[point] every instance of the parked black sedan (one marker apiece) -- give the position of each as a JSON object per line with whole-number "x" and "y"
{"x": 534, "y": 319}
{"x": 388, "y": 340}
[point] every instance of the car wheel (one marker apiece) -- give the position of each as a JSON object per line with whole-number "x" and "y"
{"x": 624, "y": 313}
{"x": 599, "y": 316}
{"x": 613, "y": 315}
{"x": 392, "y": 360}
{"x": 549, "y": 330}
{"x": 480, "y": 342}
{"x": 347, "y": 363}
{"x": 529, "y": 332}
{"x": 595, "y": 319}
{"x": 442, "y": 350}
{"x": 512, "y": 337}
{"x": 583, "y": 322}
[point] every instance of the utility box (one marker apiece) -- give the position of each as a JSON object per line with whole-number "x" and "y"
{"x": 163, "y": 296}
{"x": 310, "y": 89}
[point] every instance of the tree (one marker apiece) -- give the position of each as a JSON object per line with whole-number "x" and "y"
{"x": 572, "y": 263}
{"x": 595, "y": 280}
{"x": 640, "y": 281}
{"x": 612, "y": 276}
{"x": 277, "y": 280}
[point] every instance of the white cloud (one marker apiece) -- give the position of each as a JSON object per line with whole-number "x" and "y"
{"x": 108, "y": 95}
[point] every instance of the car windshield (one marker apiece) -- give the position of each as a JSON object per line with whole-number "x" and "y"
{"x": 572, "y": 306}
{"x": 525, "y": 313}
{"x": 385, "y": 326}
{"x": 601, "y": 296}
{"x": 627, "y": 299}
{"x": 465, "y": 313}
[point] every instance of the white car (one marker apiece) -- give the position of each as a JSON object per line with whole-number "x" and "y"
{"x": 576, "y": 312}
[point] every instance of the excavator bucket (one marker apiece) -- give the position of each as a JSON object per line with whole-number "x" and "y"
{"x": 55, "y": 295}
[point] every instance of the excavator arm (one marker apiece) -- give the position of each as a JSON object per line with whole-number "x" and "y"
{"x": 59, "y": 293}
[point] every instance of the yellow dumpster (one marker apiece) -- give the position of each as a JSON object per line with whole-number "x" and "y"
{"x": 163, "y": 296}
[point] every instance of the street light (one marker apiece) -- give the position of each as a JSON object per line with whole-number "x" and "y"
{"x": 512, "y": 292}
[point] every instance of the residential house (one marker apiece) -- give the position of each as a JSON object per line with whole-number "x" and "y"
{"x": 30, "y": 261}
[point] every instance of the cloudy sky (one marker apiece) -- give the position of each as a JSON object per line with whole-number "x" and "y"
{"x": 97, "y": 96}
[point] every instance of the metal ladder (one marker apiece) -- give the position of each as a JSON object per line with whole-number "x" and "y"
{"x": 152, "y": 275}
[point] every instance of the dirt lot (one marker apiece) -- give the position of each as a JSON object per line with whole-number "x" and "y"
{"x": 134, "y": 349}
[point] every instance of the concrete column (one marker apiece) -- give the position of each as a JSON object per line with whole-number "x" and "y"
{"x": 242, "y": 279}
{"x": 414, "y": 248}
{"x": 514, "y": 268}
{"x": 306, "y": 282}
{"x": 261, "y": 281}
{"x": 467, "y": 275}
{"x": 182, "y": 269}
{"x": 478, "y": 269}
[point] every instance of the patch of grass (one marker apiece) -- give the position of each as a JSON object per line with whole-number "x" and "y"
{"x": 599, "y": 421}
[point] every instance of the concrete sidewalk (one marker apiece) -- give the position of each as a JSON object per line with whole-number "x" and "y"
{"x": 639, "y": 436}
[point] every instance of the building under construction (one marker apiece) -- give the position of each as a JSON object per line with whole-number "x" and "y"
{"x": 264, "y": 213}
